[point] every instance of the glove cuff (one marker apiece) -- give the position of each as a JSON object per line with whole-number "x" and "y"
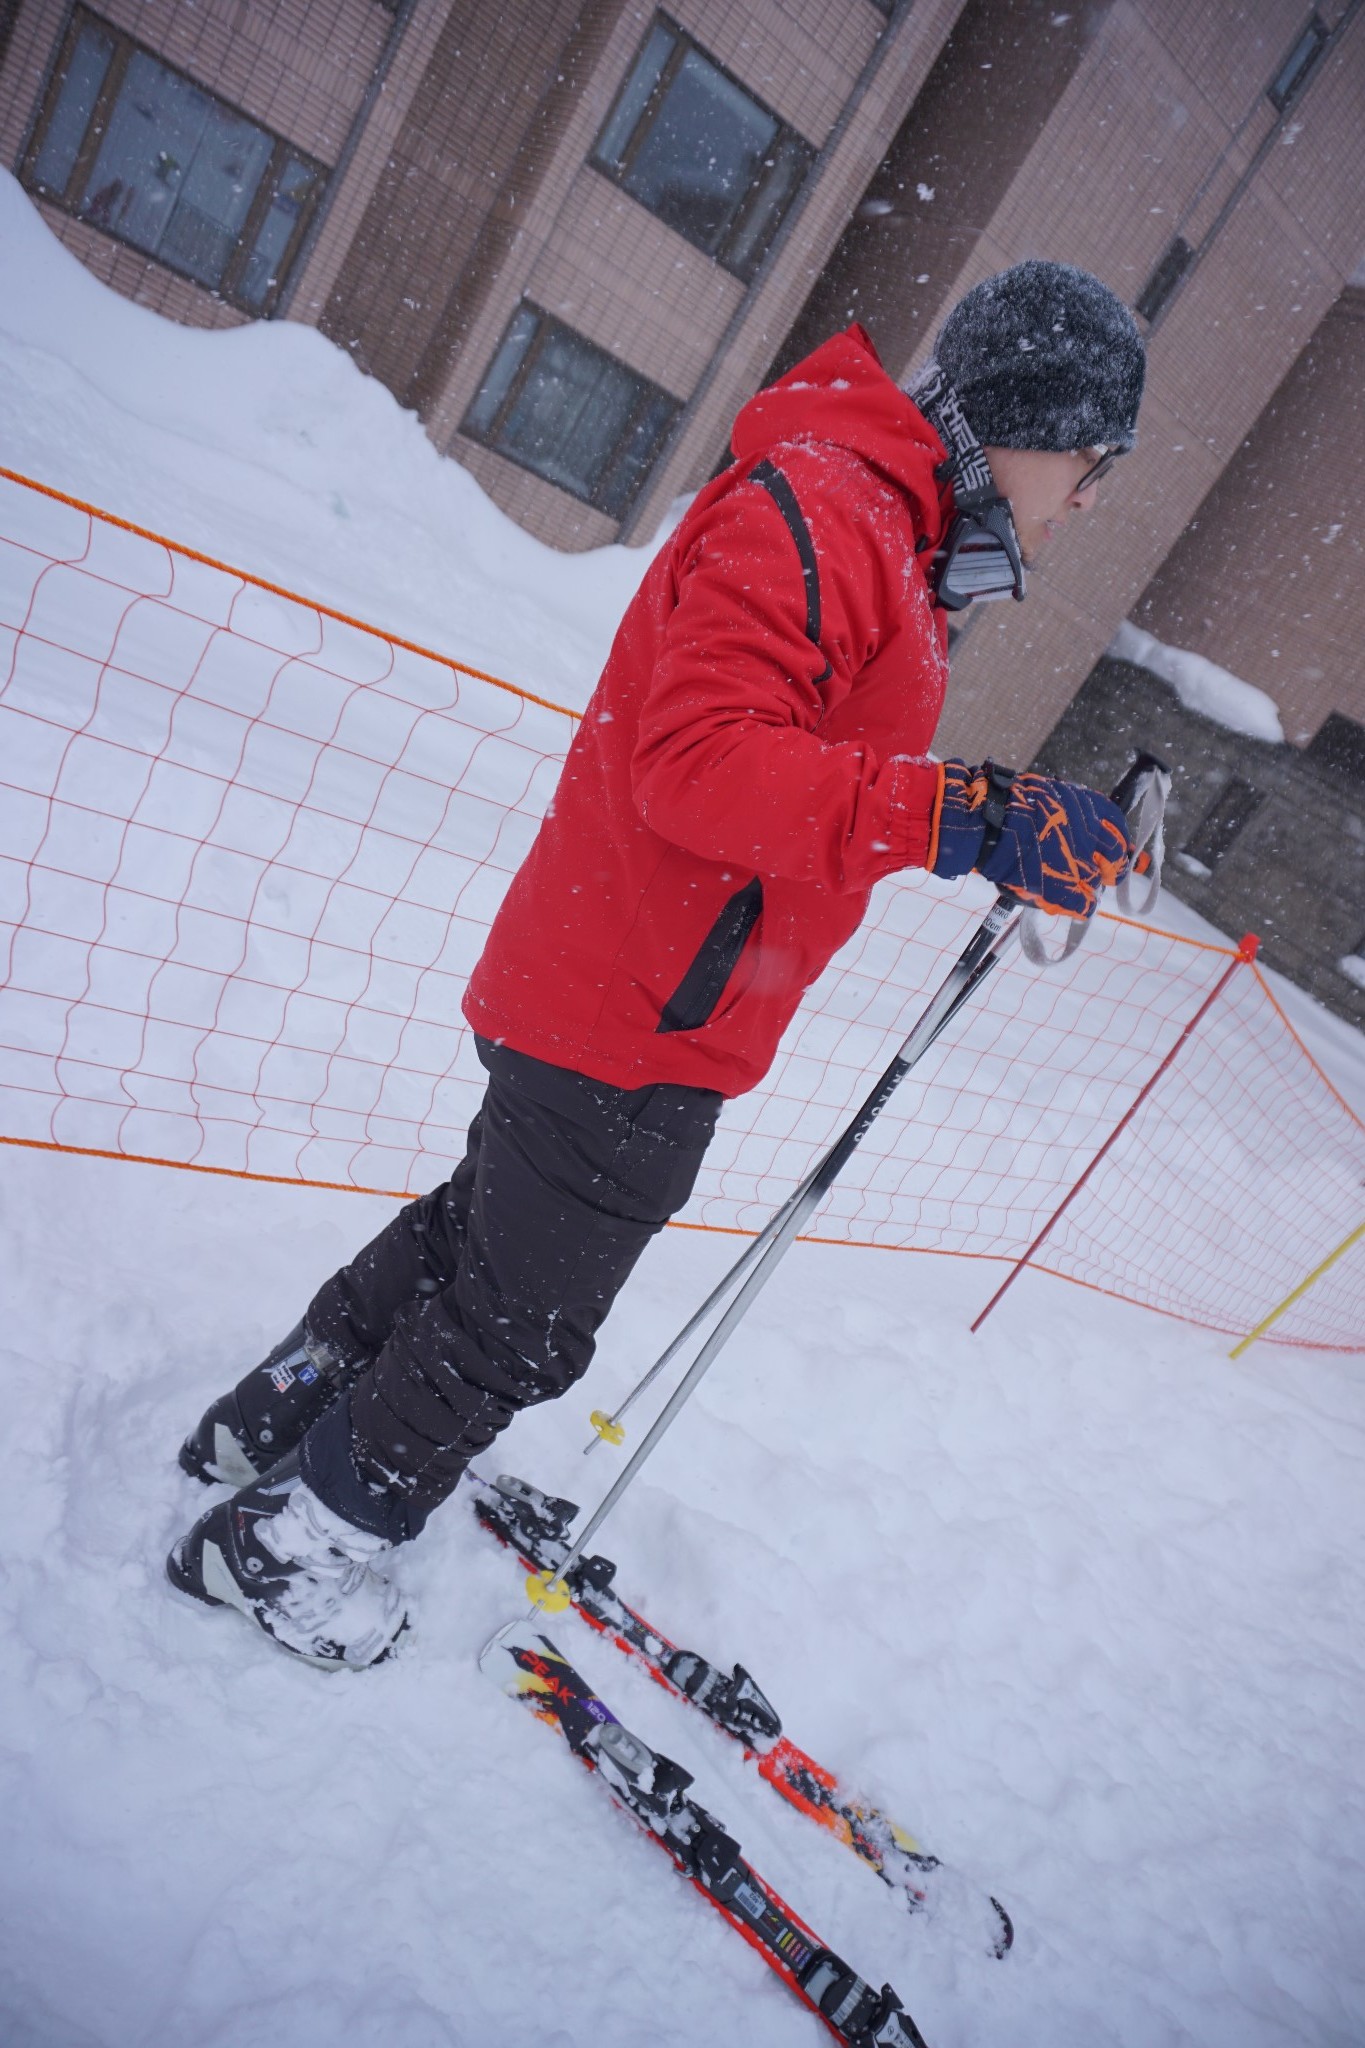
{"x": 955, "y": 834}
{"x": 969, "y": 817}
{"x": 936, "y": 815}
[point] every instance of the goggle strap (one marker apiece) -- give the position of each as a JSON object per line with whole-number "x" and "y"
{"x": 983, "y": 525}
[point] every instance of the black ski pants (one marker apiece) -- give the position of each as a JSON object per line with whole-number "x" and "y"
{"x": 485, "y": 1296}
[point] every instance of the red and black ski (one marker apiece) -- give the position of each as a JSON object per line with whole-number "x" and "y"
{"x": 536, "y": 1526}
{"x": 652, "y": 1789}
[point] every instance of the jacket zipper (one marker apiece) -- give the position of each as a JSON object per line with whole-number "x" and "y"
{"x": 693, "y": 1002}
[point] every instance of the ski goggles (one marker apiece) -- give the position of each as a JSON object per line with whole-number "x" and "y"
{"x": 980, "y": 558}
{"x": 1105, "y": 458}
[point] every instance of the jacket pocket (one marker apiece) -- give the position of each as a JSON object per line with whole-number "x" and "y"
{"x": 693, "y": 1001}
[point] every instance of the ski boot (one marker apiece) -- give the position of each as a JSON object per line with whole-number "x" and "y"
{"x": 300, "y": 1572}
{"x": 267, "y": 1414}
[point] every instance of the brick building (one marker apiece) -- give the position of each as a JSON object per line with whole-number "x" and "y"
{"x": 574, "y": 235}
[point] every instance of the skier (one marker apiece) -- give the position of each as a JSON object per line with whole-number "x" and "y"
{"x": 754, "y": 758}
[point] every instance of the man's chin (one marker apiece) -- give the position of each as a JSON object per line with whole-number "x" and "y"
{"x": 1032, "y": 545}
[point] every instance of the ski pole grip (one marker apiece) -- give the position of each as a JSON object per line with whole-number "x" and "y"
{"x": 1144, "y": 775}
{"x": 1141, "y": 795}
{"x": 1130, "y": 784}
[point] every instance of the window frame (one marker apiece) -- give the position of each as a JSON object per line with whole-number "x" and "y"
{"x": 547, "y": 328}
{"x": 1171, "y": 269}
{"x": 70, "y": 197}
{"x": 618, "y": 171}
{"x": 1287, "y": 83}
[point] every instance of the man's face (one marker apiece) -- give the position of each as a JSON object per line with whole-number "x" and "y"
{"x": 1042, "y": 490}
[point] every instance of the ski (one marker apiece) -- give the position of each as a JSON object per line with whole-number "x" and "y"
{"x": 535, "y": 1525}
{"x": 652, "y": 1790}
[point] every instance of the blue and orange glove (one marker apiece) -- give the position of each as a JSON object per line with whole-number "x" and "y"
{"x": 1053, "y": 843}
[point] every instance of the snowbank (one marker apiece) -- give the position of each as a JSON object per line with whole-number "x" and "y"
{"x": 265, "y": 446}
{"x": 1200, "y": 684}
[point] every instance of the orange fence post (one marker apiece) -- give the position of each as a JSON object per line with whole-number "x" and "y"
{"x": 1245, "y": 954}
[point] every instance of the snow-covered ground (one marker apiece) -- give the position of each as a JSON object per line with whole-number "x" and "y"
{"x": 1078, "y": 1600}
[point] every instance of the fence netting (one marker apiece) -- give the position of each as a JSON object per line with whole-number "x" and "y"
{"x": 249, "y": 851}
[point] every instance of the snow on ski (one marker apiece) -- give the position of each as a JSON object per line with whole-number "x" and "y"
{"x": 652, "y": 1789}
{"x": 535, "y": 1525}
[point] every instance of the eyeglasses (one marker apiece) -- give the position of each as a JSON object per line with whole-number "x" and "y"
{"x": 1099, "y": 468}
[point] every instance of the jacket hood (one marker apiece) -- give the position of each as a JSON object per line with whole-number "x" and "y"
{"x": 841, "y": 394}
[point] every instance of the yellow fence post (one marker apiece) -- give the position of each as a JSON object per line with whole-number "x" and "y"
{"x": 1301, "y": 1289}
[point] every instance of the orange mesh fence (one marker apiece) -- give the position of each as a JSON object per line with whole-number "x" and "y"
{"x": 249, "y": 850}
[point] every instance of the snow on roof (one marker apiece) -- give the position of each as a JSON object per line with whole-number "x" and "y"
{"x": 1200, "y": 684}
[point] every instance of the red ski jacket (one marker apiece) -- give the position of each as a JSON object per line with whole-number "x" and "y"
{"x": 753, "y": 758}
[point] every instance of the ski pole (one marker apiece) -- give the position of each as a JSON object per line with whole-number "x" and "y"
{"x": 606, "y": 1428}
{"x": 978, "y": 957}
{"x": 981, "y": 953}
{"x": 1140, "y": 793}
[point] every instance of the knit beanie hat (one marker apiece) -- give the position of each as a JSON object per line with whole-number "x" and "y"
{"x": 1045, "y": 356}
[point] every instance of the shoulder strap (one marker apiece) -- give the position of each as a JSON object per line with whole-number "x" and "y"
{"x": 778, "y": 486}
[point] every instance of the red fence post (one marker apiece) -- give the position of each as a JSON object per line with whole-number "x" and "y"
{"x": 1245, "y": 953}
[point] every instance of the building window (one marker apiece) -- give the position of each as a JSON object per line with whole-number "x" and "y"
{"x": 140, "y": 151}
{"x": 1160, "y": 286}
{"x": 1235, "y": 808}
{"x": 688, "y": 142}
{"x": 563, "y": 408}
{"x": 1292, "y": 75}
